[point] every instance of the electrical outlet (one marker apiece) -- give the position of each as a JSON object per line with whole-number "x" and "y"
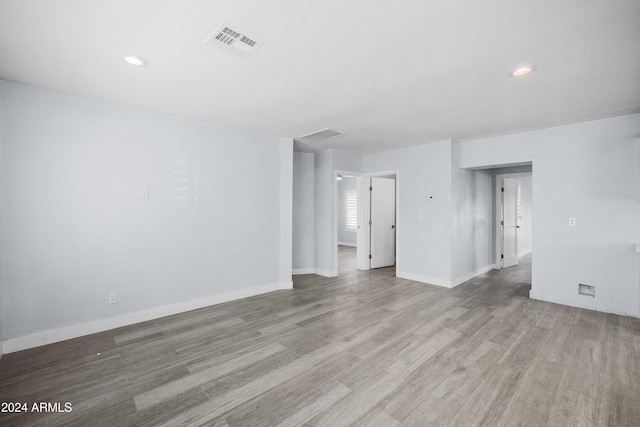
{"x": 572, "y": 222}
{"x": 144, "y": 194}
{"x": 113, "y": 298}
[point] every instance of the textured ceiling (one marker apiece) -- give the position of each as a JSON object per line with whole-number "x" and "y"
{"x": 388, "y": 73}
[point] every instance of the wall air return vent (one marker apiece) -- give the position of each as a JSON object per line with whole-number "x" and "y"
{"x": 321, "y": 135}
{"x": 233, "y": 41}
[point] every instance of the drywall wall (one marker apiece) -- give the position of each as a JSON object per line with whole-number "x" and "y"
{"x": 303, "y": 212}
{"x": 2, "y": 307}
{"x": 326, "y": 164}
{"x": 323, "y": 185}
{"x": 75, "y": 227}
{"x": 285, "y": 212}
{"x": 589, "y": 171}
{"x": 347, "y": 162}
{"x": 424, "y": 223}
{"x": 471, "y": 223}
{"x": 347, "y": 183}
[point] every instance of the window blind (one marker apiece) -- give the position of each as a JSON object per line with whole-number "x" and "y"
{"x": 351, "y": 210}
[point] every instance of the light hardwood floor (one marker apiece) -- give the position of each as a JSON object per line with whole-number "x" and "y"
{"x": 365, "y": 348}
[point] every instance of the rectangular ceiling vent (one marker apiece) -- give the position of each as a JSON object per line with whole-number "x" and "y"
{"x": 233, "y": 41}
{"x": 321, "y": 135}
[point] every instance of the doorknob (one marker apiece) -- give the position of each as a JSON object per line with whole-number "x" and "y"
{"x": 393, "y": 226}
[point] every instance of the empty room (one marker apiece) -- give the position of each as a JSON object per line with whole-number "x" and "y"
{"x": 368, "y": 213}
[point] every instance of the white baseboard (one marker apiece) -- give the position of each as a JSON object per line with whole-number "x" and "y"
{"x": 311, "y": 270}
{"x": 444, "y": 283}
{"x": 470, "y": 276}
{"x": 525, "y": 252}
{"x": 353, "y": 245}
{"x": 609, "y": 310}
{"x": 423, "y": 279}
{"x": 74, "y": 331}
{"x": 283, "y": 286}
{"x": 325, "y": 273}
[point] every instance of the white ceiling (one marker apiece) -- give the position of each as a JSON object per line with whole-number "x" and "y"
{"x": 388, "y": 73}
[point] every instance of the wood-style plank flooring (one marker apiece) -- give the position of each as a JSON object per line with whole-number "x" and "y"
{"x": 365, "y": 349}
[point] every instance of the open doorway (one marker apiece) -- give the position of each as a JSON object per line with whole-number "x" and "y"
{"x": 513, "y": 236}
{"x": 347, "y": 225}
{"x": 370, "y": 216}
{"x": 514, "y": 217}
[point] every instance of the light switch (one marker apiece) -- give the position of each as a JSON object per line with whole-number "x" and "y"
{"x": 572, "y": 222}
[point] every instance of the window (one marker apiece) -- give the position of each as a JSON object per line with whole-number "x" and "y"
{"x": 351, "y": 210}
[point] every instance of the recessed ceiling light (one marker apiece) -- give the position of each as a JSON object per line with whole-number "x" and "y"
{"x": 134, "y": 60}
{"x": 523, "y": 71}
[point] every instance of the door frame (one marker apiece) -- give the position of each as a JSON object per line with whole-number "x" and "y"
{"x": 363, "y": 238}
{"x": 336, "y": 204}
{"x": 498, "y": 212}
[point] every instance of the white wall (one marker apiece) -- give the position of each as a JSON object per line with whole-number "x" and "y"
{"x": 303, "y": 212}
{"x": 74, "y": 227}
{"x": 590, "y": 171}
{"x": 324, "y": 244}
{"x": 344, "y": 185}
{"x": 284, "y": 166}
{"x": 471, "y": 223}
{"x": 3, "y": 309}
{"x": 424, "y": 226}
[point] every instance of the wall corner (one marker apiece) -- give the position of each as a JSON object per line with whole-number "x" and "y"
{"x": 286, "y": 210}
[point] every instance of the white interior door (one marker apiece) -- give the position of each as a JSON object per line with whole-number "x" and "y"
{"x": 510, "y": 222}
{"x": 383, "y": 222}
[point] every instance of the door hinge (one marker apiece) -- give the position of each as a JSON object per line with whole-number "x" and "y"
{"x": 370, "y": 188}
{"x": 501, "y": 222}
{"x": 503, "y": 189}
{"x": 370, "y": 256}
{"x": 370, "y": 222}
{"x": 502, "y": 256}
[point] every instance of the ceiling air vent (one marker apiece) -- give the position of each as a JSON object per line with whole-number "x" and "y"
{"x": 233, "y": 41}
{"x": 321, "y": 135}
